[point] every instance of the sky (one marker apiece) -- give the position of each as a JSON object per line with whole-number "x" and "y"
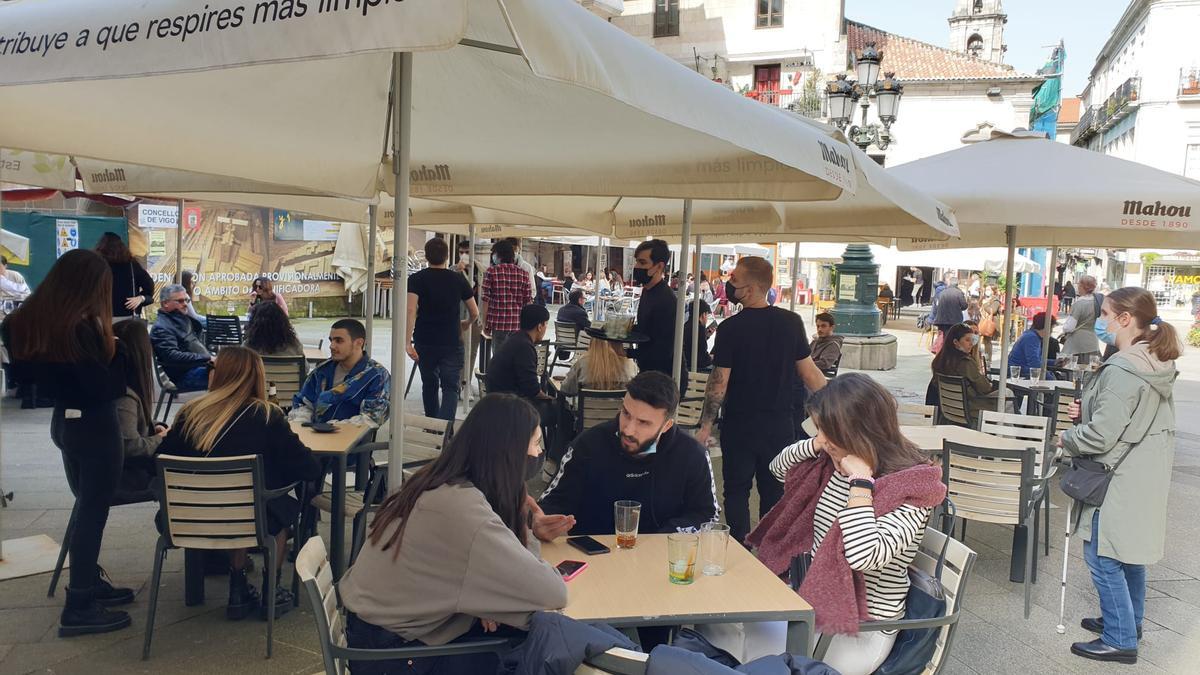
{"x": 1033, "y": 26}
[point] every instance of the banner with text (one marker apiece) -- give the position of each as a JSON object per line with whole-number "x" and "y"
{"x": 70, "y": 40}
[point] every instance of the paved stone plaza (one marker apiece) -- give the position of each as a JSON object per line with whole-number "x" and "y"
{"x": 994, "y": 637}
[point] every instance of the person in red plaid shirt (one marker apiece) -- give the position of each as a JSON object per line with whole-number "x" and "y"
{"x": 506, "y": 289}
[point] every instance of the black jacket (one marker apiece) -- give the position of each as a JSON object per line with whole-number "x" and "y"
{"x": 177, "y": 344}
{"x": 949, "y": 306}
{"x": 257, "y": 432}
{"x": 92, "y": 381}
{"x": 703, "y": 356}
{"x": 513, "y": 368}
{"x": 656, "y": 318}
{"x": 572, "y": 313}
{"x": 675, "y": 485}
{"x": 130, "y": 279}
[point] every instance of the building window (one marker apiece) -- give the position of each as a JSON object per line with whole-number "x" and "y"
{"x": 975, "y": 45}
{"x": 1191, "y": 162}
{"x": 770, "y": 13}
{"x": 666, "y": 18}
{"x": 978, "y": 6}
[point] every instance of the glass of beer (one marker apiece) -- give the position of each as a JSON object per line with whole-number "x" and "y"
{"x": 626, "y": 515}
{"x": 681, "y": 557}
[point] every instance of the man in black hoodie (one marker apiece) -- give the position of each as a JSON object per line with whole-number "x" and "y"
{"x": 642, "y": 456}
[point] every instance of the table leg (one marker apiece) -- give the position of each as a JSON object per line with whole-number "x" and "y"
{"x": 337, "y": 515}
{"x": 193, "y": 577}
{"x": 799, "y": 635}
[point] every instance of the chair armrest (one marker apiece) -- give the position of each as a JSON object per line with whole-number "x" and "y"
{"x": 279, "y": 492}
{"x": 907, "y": 624}
{"x": 494, "y": 645}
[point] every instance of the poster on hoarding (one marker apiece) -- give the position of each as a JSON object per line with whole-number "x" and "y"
{"x": 321, "y": 230}
{"x": 157, "y": 245}
{"x": 67, "y": 237}
{"x": 153, "y": 216}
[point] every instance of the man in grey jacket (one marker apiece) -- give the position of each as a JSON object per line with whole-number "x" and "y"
{"x": 1079, "y": 334}
{"x": 949, "y": 306}
{"x": 177, "y": 343}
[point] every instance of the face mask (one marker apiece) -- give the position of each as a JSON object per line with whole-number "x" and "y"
{"x": 974, "y": 339}
{"x": 641, "y": 276}
{"x": 533, "y": 465}
{"x": 1106, "y": 336}
{"x": 731, "y": 292}
{"x": 495, "y": 259}
{"x": 648, "y": 449}
{"x": 464, "y": 258}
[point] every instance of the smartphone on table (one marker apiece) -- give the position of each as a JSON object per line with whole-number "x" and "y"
{"x": 569, "y": 569}
{"x": 588, "y": 545}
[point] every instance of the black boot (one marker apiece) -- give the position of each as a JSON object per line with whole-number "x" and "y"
{"x": 84, "y": 616}
{"x": 243, "y": 597}
{"x": 283, "y": 598}
{"x": 106, "y": 595}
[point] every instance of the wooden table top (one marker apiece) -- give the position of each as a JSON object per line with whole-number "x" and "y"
{"x": 630, "y": 586}
{"x": 930, "y": 439}
{"x": 334, "y": 443}
{"x": 315, "y": 354}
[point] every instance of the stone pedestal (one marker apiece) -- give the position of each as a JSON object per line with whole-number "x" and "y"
{"x": 876, "y": 352}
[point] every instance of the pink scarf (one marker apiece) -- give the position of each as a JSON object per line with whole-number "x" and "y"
{"x": 837, "y": 593}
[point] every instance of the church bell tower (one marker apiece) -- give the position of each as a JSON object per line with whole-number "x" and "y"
{"x": 977, "y": 29}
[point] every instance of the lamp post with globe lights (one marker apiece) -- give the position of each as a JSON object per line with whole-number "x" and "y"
{"x": 843, "y": 94}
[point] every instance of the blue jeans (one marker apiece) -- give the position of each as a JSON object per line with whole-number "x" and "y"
{"x": 1122, "y": 589}
{"x": 441, "y": 367}
{"x": 195, "y": 379}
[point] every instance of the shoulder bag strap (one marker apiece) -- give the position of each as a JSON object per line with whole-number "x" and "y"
{"x": 1156, "y": 398}
{"x": 229, "y": 426}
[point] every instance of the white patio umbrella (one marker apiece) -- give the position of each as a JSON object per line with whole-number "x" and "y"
{"x": 1022, "y": 188}
{"x": 499, "y": 95}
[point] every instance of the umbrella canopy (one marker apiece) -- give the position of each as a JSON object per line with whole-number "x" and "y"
{"x": 1056, "y": 195}
{"x": 510, "y": 97}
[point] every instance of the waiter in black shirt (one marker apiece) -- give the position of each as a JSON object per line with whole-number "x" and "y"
{"x": 758, "y": 354}
{"x": 656, "y": 308}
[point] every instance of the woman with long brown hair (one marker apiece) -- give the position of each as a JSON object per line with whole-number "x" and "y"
{"x": 1127, "y": 425}
{"x": 61, "y": 338}
{"x": 132, "y": 287}
{"x": 857, "y": 497}
{"x": 140, "y": 434}
{"x": 452, "y": 554}
{"x": 234, "y": 418}
{"x": 263, "y": 291}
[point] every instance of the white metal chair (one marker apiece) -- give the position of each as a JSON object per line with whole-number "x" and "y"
{"x": 596, "y": 406}
{"x": 916, "y": 415}
{"x": 288, "y": 374}
{"x": 216, "y": 504}
{"x": 953, "y": 401}
{"x": 692, "y": 404}
{"x": 1036, "y": 430}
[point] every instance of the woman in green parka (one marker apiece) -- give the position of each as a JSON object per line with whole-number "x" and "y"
{"x": 1127, "y": 410}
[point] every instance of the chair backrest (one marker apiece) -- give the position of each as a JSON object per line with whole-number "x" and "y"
{"x": 1062, "y": 418}
{"x": 1033, "y": 429}
{"x": 424, "y": 437}
{"x": 953, "y": 405}
{"x": 312, "y": 565}
{"x": 213, "y": 503}
{"x": 692, "y": 404}
{"x": 956, "y": 569}
{"x": 832, "y": 371}
{"x": 220, "y": 331}
{"x": 596, "y": 406}
{"x": 990, "y": 485}
{"x": 566, "y": 333}
{"x": 917, "y": 415}
{"x": 288, "y": 373}
{"x": 543, "y": 357}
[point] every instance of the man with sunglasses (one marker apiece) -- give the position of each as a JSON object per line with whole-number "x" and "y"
{"x": 176, "y": 337}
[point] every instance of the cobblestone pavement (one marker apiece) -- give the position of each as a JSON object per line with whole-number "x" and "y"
{"x": 994, "y": 636}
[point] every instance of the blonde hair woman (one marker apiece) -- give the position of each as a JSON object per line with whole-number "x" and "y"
{"x": 603, "y": 366}
{"x": 234, "y": 418}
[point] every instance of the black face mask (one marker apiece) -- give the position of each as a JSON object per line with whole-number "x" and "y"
{"x": 641, "y": 276}
{"x": 731, "y": 292}
{"x": 533, "y": 465}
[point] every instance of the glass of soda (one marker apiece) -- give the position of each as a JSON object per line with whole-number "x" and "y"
{"x": 681, "y": 557}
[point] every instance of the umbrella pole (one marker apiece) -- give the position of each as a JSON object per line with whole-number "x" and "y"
{"x": 1010, "y": 237}
{"x": 179, "y": 245}
{"x": 696, "y": 306}
{"x": 795, "y": 275}
{"x": 402, "y": 63}
{"x": 467, "y": 336}
{"x": 681, "y": 294}
{"x": 1051, "y": 265}
{"x": 369, "y": 291}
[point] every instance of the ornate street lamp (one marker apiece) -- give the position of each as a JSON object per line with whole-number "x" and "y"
{"x": 844, "y": 94}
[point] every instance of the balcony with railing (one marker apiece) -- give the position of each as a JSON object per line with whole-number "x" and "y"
{"x": 1119, "y": 104}
{"x": 809, "y": 104}
{"x": 1086, "y": 128}
{"x": 1189, "y": 82}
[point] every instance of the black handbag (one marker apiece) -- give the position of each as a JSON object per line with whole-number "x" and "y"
{"x": 1087, "y": 480}
{"x": 926, "y": 600}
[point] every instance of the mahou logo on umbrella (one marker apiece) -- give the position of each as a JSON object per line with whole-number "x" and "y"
{"x": 1156, "y": 215}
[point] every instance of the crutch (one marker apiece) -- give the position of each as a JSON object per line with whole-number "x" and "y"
{"x": 1062, "y": 594}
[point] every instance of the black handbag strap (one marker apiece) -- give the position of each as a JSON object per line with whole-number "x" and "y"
{"x": 1157, "y": 398}
{"x": 948, "y": 514}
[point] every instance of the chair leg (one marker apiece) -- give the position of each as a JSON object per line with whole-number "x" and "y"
{"x": 159, "y": 404}
{"x": 1016, "y": 568}
{"x": 269, "y": 598}
{"x": 62, "y": 552}
{"x": 1046, "y": 532}
{"x": 1030, "y": 569}
{"x": 160, "y": 555}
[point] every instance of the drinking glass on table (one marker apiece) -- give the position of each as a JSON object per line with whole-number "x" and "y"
{"x": 1014, "y": 372}
{"x": 681, "y": 557}
{"x": 626, "y": 514}
{"x": 1035, "y": 374}
{"x": 714, "y": 544}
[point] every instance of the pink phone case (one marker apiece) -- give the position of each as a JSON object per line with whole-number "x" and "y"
{"x": 576, "y": 572}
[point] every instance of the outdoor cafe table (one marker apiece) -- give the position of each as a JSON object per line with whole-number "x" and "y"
{"x": 1038, "y": 390}
{"x": 629, "y": 588}
{"x": 930, "y": 439}
{"x": 336, "y": 445}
